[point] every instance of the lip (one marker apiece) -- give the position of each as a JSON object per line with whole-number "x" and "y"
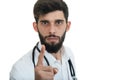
{"x": 52, "y": 39}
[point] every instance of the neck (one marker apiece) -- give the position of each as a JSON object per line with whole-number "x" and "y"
{"x": 57, "y": 55}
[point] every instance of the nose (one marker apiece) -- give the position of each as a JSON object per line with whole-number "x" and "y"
{"x": 52, "y": 29}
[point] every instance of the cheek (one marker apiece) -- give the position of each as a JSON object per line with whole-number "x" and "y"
{"x": 42, "y": 31}
{"x": 62, "y": 32}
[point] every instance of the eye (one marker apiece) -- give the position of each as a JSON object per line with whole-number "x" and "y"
{"x": 44, "y": 22}
{"x": 58, "y": 22}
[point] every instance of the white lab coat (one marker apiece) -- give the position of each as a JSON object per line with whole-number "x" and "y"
{"x": 23, "y": 69}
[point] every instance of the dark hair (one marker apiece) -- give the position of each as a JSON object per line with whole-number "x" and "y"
{"x": 43, "y": 7}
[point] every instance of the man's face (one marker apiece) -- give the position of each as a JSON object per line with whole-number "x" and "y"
{"x": 52, "y": 47}
{"x": 51, "y": 28}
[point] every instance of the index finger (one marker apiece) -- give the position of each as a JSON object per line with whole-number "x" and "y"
{"x": 41, "y": 56}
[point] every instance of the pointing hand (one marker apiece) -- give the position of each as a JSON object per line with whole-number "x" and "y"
{"x": 44, "y": 72}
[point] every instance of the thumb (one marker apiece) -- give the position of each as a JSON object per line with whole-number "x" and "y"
{"x": 55, "y": 70}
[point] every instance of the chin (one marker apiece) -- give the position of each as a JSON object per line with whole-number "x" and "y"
{"x": 52, "y": 43}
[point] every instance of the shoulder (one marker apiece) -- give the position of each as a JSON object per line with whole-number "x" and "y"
{"x": 24, "y": 59}
{"x": 69, "y": 52}
{"x": 22, "y": 67}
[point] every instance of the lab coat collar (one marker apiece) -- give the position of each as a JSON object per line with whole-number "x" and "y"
{"x": 50, "y": 57}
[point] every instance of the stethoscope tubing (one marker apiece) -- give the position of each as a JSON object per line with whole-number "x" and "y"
{"x": 72, "y": 71}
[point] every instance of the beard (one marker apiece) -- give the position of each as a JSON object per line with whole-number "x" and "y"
{"x": 52, "y": 47}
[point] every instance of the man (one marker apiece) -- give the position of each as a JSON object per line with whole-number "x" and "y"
{"x": 49, "y": 59}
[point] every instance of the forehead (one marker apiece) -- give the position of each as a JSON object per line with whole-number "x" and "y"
{"x": 53, "y": 16}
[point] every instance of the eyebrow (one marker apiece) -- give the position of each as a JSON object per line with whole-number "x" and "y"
{"x": 55, "y": 20}
{"x": 59, "y": 20}
{"x": 44, "y": 21}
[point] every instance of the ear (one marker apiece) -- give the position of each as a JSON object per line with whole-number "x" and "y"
{"x": 35, "y": 26}
{"x": 68, "y": 26}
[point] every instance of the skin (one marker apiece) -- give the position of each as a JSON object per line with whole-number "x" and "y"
{"x": 49, "y": 24}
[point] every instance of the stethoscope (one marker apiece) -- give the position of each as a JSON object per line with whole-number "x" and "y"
{"x": 72, "y": 71}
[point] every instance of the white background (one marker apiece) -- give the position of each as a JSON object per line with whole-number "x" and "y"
{"x": 94, "y": 36}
